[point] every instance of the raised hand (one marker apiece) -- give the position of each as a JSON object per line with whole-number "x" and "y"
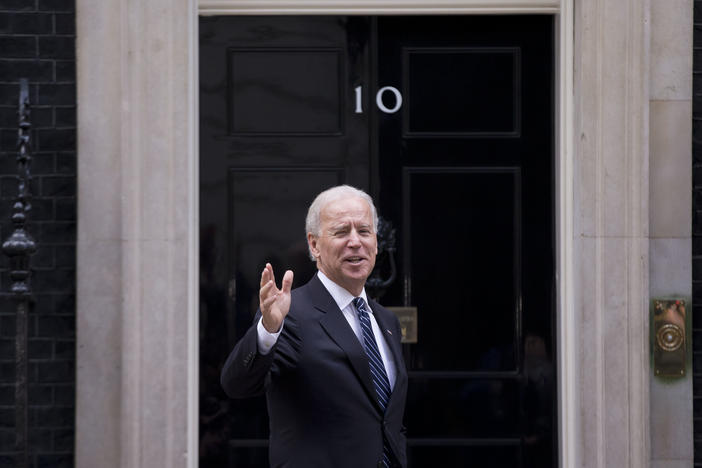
{"x": 274, "y": 302}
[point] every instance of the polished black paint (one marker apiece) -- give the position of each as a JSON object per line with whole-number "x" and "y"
{"x": 465, "y": 173}
{"x": 476, "y": 248}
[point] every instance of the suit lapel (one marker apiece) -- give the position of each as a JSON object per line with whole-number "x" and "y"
{"x": 339, "y": 330}
{"x": 386, "y": 323}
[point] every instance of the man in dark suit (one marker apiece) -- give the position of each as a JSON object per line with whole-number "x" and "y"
{"x": 328, "y": 359}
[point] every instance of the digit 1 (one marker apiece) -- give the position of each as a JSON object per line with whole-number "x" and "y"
{"x": 359, "y": 109}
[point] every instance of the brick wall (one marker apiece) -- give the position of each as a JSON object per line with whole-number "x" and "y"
{"x": 697, "y": 231}
{"x": 37, "y": 42}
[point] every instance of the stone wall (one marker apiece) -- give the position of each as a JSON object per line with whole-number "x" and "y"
{"x": 37, "y": 42}
{"x": 670, "y": 206}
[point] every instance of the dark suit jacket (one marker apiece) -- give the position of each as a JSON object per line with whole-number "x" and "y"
{"x": 322, "y": 405}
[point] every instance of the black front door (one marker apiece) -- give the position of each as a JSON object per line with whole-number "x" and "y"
{"x": 448, "y": 123}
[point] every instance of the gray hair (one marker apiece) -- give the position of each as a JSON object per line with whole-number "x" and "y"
{"x": 330, "y": 195}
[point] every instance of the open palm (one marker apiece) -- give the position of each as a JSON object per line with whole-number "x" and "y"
{"x": 274, "y": 302}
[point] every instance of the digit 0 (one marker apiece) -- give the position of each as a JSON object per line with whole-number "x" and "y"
{"x": 381, "y": 105}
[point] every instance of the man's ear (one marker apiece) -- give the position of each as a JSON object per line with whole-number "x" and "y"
{"x": 312, "y": 242}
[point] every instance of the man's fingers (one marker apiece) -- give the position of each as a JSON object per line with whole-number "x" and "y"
{"x": 266, "y": 290}
{"x": 287, "y": 282}
{"x": 266, "y": 304}
{"x": 269, "y": 289}
{"x": 267, "y": 274}
{"x": 269, "y": 267}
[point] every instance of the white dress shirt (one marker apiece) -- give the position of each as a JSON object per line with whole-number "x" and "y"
{"x": 344, "y": 300}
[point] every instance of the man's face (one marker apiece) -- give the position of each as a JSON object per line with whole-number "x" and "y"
{"x": 346, "y": 246}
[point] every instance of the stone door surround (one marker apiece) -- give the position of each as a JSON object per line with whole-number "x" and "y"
{"x": 137, "y": 317}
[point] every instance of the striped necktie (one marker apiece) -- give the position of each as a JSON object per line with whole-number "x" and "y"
{"x": 377, "y": 368}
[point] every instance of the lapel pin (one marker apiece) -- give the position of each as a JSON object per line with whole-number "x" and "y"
{"x": 389, "y": 331}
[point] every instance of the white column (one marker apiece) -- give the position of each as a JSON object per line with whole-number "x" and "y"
{"x": 99, "y": 249}
{"x": 611, "y": 231}
{"x": 137, "y": 246}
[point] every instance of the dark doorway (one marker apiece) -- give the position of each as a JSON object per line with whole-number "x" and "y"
{"x": 447, "y": 121}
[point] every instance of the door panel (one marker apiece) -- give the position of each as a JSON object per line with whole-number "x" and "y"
{"x": 302, "y": 97}
{"x": 472, "y": 154}
{"x": 284, "y": 195}
{"x": 463, "y": 208}
{"x": 462, "y": 91}
{"x": 463, "y": 171}
{"x": 276, "y": 128}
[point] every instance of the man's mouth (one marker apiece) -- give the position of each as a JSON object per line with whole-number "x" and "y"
{"x": 354, "y": 260}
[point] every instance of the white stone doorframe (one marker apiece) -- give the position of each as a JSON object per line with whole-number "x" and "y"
{"x": 137, "y": 296}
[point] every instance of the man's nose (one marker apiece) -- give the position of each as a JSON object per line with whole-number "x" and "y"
{"x": 354, "y": 238}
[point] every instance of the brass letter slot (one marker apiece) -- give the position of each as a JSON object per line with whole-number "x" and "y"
{"x": 669, "y": 338}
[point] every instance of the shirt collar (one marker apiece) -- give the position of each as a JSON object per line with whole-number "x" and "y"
{"x": 340, "y": 295}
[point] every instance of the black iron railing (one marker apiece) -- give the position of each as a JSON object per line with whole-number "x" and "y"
{"x": 19, "y": 247}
